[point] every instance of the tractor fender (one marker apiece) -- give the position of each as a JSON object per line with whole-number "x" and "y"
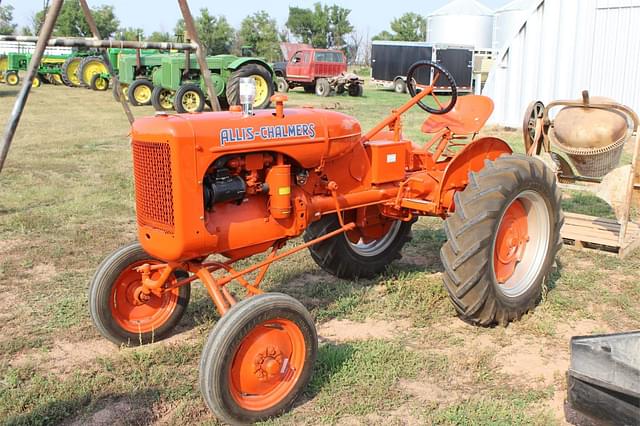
{"x": 243, "y": 61}
{"x": 470, "y": 159}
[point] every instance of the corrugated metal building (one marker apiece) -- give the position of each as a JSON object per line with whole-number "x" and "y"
{"x": 564, "y": 47}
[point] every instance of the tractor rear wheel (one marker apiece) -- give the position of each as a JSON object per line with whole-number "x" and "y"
{"x": 161, "y": 99}
{"x": 114, "y": 310}
{"x": 281, "y": 85}
{"x": 189, "y": 98}
{"x": 99, "y": 83}
{"x": 263, "y": 80}
{"x": 323, "y": 88}
{"x": 12, "y": 78}
{"x": 258, "y": 358}
{"x": 69, "y": 71}
{"x": 89, "y": 66}
{"x": 502, "y": 240}
{"x": 349, "y": 258}
{"x": 140, "y": 92}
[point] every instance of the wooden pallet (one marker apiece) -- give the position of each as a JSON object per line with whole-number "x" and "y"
{"x": 590, "y": 232}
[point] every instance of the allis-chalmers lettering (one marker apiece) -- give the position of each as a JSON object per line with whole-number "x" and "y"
{"x": 248, "y": 134}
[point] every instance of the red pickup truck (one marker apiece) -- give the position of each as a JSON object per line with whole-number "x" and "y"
{"x": 321, "y": 70}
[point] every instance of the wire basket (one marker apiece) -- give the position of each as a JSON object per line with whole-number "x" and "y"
{"x": 593, "y": 162}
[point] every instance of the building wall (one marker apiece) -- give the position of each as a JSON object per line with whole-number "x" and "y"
{"x": 23, "y": 47}
{"x": 564, "y": 47}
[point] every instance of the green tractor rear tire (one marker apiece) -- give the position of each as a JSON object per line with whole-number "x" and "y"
{"x": 88, "y": 67}
{"x": 264, "y": 85}
{"x": 140, "y": 92}
{"x": 161, "y": 99}
{"x": 69, "y": 69}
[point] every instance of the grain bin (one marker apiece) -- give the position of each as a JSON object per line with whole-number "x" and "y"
{"x": 466, "y": 22}
{"x": 508, "y": 19}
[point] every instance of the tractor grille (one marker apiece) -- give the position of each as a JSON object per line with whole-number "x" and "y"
{"x": 154, "y": 196}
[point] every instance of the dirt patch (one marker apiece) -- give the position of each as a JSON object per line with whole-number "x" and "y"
{"x": 582, "y": 327}
{"x": 43, "y": 272}
{"x": 7, "y": 246}
{"x": 531, "y": 359}
{"x": 65, "y": 356}
{"x": 345, "y": 330}
{"x": 426, "y": 391}
{"x": 402, "y": 415}
{"x": 116, "y": 413}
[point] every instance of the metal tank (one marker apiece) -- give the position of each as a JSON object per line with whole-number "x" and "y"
{"x": 508, "y": 19}
{"x": 466, "y": 22}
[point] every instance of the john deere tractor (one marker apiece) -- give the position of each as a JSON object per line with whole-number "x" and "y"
{"x": 134, "y": 73}
{"x": 182, "y": 87}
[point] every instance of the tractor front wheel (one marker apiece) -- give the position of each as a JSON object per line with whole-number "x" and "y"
{"x": 356, "y": 89}
{"x": 140, "y": 92}
{"x": 37, "y": 82}
{"x": 12, "y": 78}
{"x": 161, "y": 99}
{"x": 258, "y": 358}
{"x": 352, "y": 255}
{"x": 502, "y": 240}
{"x": 99, "y": 83}
{"x": 189, "y": 98}
{"x": 262, "y": 79}
{"x": 117, "y": 314}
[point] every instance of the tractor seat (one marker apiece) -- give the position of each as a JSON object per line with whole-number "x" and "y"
{"x": 468, "y": 116}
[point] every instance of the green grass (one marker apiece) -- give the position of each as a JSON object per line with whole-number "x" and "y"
{"x": 66, "y": 201}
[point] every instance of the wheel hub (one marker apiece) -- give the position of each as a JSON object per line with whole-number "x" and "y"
{"x": 511, "y": 241}
{"x": 268, "y": 364}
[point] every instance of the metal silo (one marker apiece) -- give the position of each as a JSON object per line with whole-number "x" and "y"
{"x": 508, "y": 20}
{"x": 467, "y": 22}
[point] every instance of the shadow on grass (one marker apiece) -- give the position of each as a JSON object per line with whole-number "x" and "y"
{"x": 136, "y": 407}
{"x": 8, "y": 93}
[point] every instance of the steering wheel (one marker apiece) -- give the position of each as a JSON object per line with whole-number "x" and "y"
{"x": 438, "y": 70}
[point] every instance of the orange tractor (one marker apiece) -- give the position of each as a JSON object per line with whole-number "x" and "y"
{"x": 239, "y": 183}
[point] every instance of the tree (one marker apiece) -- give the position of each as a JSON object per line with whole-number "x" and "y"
{"x": 7, "y": 27}
{"x": 261, "y": 33}
{"x": 408, "y": 27}
{"x": 324, "y": 26}
{"x": 159, "y": 36}
{"x": 72, "y": 23}
{"x": 130, "y": 34}
{"x": 214, "y": 32}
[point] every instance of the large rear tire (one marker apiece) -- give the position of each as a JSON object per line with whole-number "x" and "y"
{"x": 69, "y": 71}
{"x": 113, "y": 310}
{"x": 89, "y": 66}
{"x": 258, "y": 358}
{"x": 502, "y": 240}
{"x": 350, "y": 260}
{"x": 263, "y": 80}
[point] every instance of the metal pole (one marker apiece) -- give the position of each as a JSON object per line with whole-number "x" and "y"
{"x": 21, "y": 100}
{"x": 202, "y": 61}
{"x": 105, "y": 56}
{"x": 102, "y": 44}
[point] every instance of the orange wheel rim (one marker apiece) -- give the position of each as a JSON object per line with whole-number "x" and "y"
{"x": 267, "y": 364}
{"x": 135, "y": 317}
{"x": 511, "y": 241}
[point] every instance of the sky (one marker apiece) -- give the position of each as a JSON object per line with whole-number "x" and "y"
{"x": 161, "y": 15}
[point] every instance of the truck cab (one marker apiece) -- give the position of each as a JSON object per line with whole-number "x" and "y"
{"x": 307, "y": 65}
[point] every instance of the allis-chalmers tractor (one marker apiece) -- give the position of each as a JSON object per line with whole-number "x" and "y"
{"x": 239, "y": 183}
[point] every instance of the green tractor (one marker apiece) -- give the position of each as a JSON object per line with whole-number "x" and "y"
{"x": 13, "y": 64}
{"x": 176, "y": 85}
{"x": 135, "y": 74}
